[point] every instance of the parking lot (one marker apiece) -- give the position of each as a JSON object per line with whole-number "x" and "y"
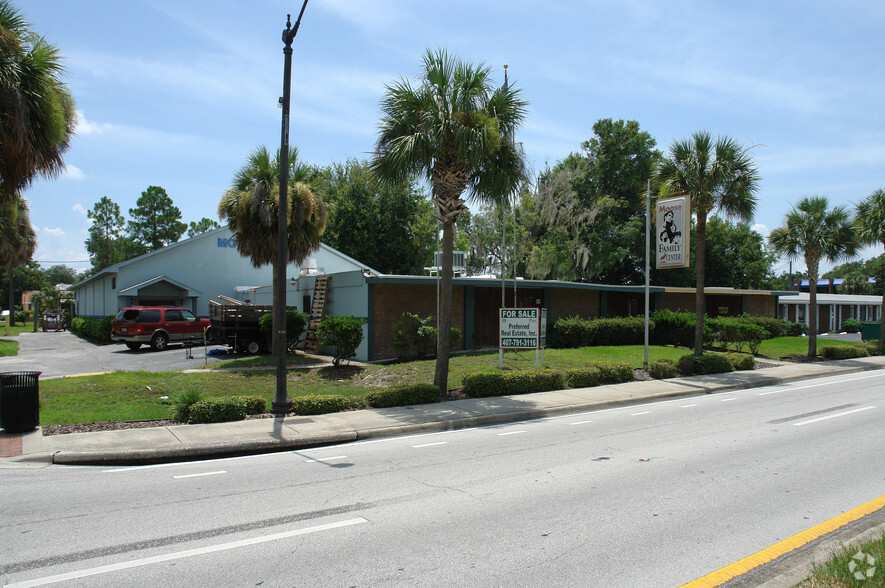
{"x": 58, "y": 354}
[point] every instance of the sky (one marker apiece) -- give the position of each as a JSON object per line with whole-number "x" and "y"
{"x": 176, "y": 94}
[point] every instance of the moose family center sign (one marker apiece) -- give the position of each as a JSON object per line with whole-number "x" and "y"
{"x": 672, "y": 229}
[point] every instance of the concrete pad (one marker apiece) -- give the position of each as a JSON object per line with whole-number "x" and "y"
{"x": 111, "y": 441}
{"x": 269, "y": 429}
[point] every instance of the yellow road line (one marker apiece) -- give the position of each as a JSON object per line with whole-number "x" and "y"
{"x": 85, "y": 375}
{"x": 769, "y": 554}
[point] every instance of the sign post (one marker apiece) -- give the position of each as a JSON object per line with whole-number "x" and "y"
{"x": 522, "y": 328}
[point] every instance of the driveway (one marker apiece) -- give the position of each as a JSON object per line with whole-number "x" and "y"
{"x": 58, "y": 354}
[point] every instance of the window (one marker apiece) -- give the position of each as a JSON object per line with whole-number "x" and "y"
{"x": 173, "y": 315}
{"x": 188, "y": 315}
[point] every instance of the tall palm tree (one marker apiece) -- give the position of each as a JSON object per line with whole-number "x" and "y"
{"x": 870, "y": 226}
{"x": 717, "y": 176}
{"x": 251, "y": 208}
{"x": 36, "y": 110}
{"x": 17, "y": 241}
{"x": 454, "y": 129}
{"x": 816, "y": 232}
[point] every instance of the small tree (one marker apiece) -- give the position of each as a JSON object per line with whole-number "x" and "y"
{"x": 344, "y": 333}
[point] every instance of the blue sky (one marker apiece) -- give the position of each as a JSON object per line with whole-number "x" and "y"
{"x": 177, "y": 94}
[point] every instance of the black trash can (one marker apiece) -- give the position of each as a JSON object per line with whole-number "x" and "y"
{"x": 19, "y": 401}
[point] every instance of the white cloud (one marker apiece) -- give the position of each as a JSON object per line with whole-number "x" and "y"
{"x": 85, "y": 127}
{"x": 79, "y": 209}
{"x": 57, "y": 233}
{"x": 72, "y": 172}
{"x": 762, "y": 230}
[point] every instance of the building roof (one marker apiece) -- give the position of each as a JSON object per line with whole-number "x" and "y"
{"x": 802, "y": 298}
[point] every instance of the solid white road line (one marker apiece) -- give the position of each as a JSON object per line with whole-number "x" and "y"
{"x": 511, "y": 433}
{"x": 639, "y": 413}
{"x": 581, "y": 423}
{"x": 833, "y": 416}
{"x": 430, "y": 444}
{"x": 726, "y": 399}
{"x": 687, "y": 405}
{"x": 818, "y": 385}
{"x": 199, "y": 475}
{"x": 183, "y": 554}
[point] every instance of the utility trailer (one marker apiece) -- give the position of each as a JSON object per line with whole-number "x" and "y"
{"x": 236, "y": 325}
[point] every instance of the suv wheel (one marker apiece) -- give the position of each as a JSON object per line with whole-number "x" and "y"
{"x": 159, "y": 342}
{"x": 133, "y": 346}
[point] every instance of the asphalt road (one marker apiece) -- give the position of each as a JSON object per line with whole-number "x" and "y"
{"x": 57, "y": 354}
{"x": 652, "y": 495}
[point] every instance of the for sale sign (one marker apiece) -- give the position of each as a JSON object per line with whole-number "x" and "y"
{"x": 520, "y": 328}
{"x": 672, "y": 227}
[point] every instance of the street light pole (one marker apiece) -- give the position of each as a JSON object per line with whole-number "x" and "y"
{"x": 281, "y": 403}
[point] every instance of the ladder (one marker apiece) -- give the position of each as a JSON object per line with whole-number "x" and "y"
{"x": 317, "y": 312}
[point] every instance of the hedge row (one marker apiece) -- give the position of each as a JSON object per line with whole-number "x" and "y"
{"x": 98, "y": 330}
{"x": 706, "y": 363}
{"x": 220, "y": 410}
{"x": 528, "y": 381}
{"x": 670, "y": 328}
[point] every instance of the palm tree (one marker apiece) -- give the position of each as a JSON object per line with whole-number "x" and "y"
{"x": 817, "y": 232}
{"x": 17, "y": 241}
{"x": 36, "y": 110}
{"x": 870, "y": 225}
{"x": 717, "y": 176}
{"x": 251, "y": 208}
{"x": 456, "y": 131}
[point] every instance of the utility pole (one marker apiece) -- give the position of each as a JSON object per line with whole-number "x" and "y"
{"x": 281, "y": 403}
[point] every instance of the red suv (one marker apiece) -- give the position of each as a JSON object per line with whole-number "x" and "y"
{"x": 157, "y": 325}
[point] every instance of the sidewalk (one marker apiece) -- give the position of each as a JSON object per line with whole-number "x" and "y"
{"x": 188, "y": 442}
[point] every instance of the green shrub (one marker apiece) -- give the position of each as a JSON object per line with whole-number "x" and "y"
{"x": 322, "y": 403}
{"x": 851, "y": 325}
{"x": 872, "y": 348}
{"x": 741, "y": 361}
{"x": 219, "y": 410}
{"x": 569, "y": 333}
{"x": 183, "y": 401}
{"x": 672, "y": 328}
{"x": 343, "y": 333}
{"x": 403, "y": 396}
{"x": 484, "y": 384}
{"x": 92, "y": 329}
{"x": 735, "y": 333}
{"x": 295, "y": 325}
{"x": 613, "y": 372}
{"x": 576, "y": 332}
{"x": 706, "y": 363}
{"x": 415, "y": 337}
{"x": 662, "y": 369}
{"x": 515, "y": 382}
{"x": 796, "y": 329}
{"x": 843, "y": 352}
{"x": 774, "y": 327}
{"x": 585, "y": 377}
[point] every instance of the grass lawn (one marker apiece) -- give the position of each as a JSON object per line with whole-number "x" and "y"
{"x": 8, "y": 348}
{"x": 133, "y": 396}
{"x": 840, "y": 570}
{"x": 792, "y": 346}
{"x": 17, "y": 328}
